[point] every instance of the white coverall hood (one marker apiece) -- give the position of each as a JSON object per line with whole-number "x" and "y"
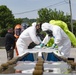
{"x": 34, "y": 24}
{"x": 46, "y": 26}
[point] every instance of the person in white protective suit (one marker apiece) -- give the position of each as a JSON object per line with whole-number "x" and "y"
{"x": 60, "y": 38}
{"x": 28, "y": 36}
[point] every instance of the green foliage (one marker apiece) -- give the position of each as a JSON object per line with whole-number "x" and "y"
{"x": 45, "y": 15}
{"x": 29, "y": 21}
{"x": 17, "y": 21}
{"x": 6, "y": 19}
{"x": 3, "y": 32}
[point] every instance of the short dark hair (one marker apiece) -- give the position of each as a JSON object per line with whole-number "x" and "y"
{"x": 10, "y": 29}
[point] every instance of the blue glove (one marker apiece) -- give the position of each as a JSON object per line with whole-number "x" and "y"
{"x": 42, "y": 45}
{"x": 54, "y": 45}
{"x": 39, "y": 46}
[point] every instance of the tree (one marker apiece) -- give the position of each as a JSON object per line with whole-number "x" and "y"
{"x": 18, "y": 21}
{"x": 6, "y": 19}
{"x": 45, "y": 15}
{"x": 29, "y": 21}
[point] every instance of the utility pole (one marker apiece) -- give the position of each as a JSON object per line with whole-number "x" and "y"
{"x": 71, "y": 15}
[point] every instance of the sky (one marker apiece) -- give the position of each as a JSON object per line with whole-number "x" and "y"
{"x": 29, "y": 8}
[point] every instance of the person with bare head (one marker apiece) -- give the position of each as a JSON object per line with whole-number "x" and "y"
{"x": 9, "y": 43}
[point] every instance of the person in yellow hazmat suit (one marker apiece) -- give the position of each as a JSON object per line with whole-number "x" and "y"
{"x": 64, "y": 26}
